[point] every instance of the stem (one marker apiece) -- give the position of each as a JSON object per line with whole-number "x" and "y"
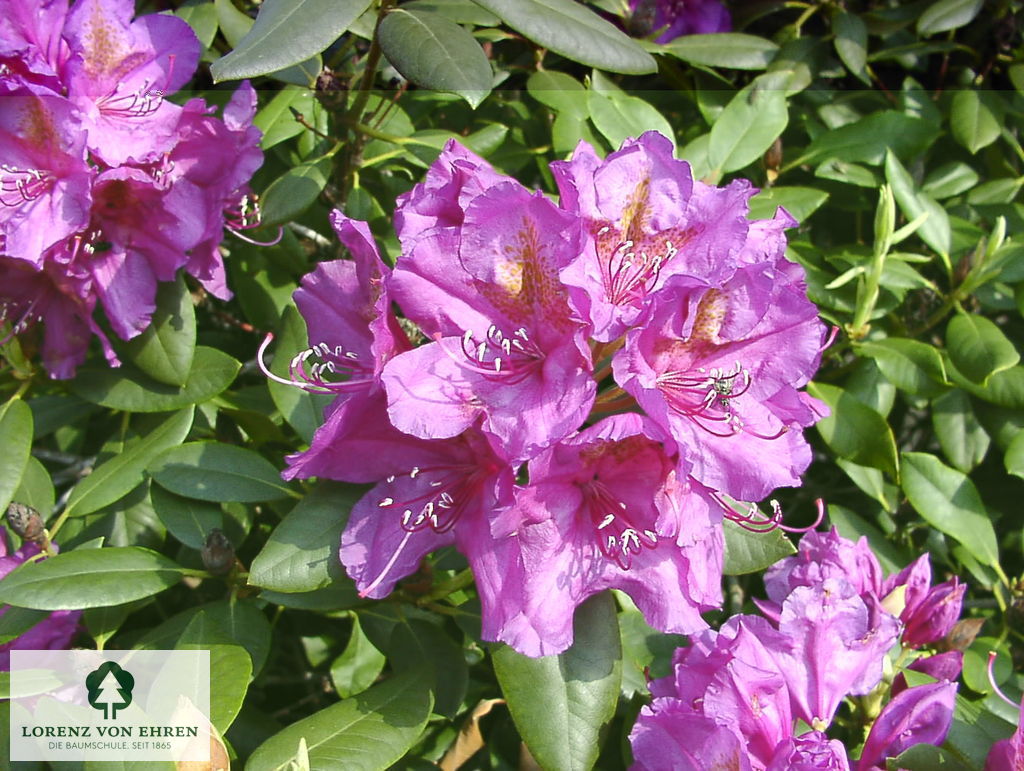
{"x": 454, "y": 584}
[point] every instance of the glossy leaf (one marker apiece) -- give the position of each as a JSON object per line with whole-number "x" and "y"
{"x": 973, "y": 121}
{"x": 367, "y": 732}
{"x": 16, "y": 441}
{"x": 36, "y": 488}
{"x": 574, "y": 31}
{"x": 866, "y": 140}
{"x": 944, "y": 15}
{"x": 949, "y": 501}
{"x": 211, "y": 471}
{"x": 935, "y": 231}
{"x": 963, "y": 440}
{"x": 89, "y": 578}
{"x": 618, "y": 116}
{"x": 1014, "y": 458}
{"x": 188, "y": 520}
{"x": 230, "y": 669}
{"x": 117, "y": 477}
{"x": 749, "y": 552}
{"x": 293, "y": 192}
{"x": 287, "y": 32}
{"x": 132, "y": 391}
{"x": 978, "y": 348}
{"x": 359, "y": 665}
{"x": 734, "y": 50}
{"x": 445, "y": 57}
{"x": 165, "y": 348}
{"x": 854, "y": 430}
{"x": 851, "y": 42}
{"x": 801, "y": 202}
{"x": 747, "y": 126}
{"x": 418, "y": 645}
{"x": 302, "y": 553}
{"x": 910, "y": 365}
{"x": 561, "y": 92}
{"x": 578, "y": 688}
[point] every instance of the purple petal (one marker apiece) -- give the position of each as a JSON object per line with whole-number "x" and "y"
{"x": 919, "y": 715}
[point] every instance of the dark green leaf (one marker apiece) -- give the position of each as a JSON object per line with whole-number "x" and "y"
{"x": 16, "y": 442}
{"x": 302, "y": 553}
{"x": 910, "y": 365}
{"x": 945, "y": 15}
{"x": 339, "y": 595}
{"x": 104, "y": 622}
{"x": 201, "y": 15}
{"x": 749, "y": 552}
{"x": 287, "y": 32}
{"x": 367, "y": 732}
{"x": 801, "y": 202}
{"x": 925, "y": 757}
{"x": 854, "y": 430}
{"x": 130, "y": 390}
{"x": 866, "y": 140}
{"x": 747, "y": 126}
{"x": 561, "y": 92}
{"x": 188, "y": 520}
{"x": 460, "y": 11}
{"x": 950, "y": 179}
{"x": 418, "y": 645}
{"x": 851, "y": 42}
{"x": 935, "y": 231}
{"x": 578, "y": 689}
{"x": 16, "y": 621}
{"x": 89, "y": 578}
{"x": 646, "y": 652}
{"x": 963, "y": 440}
{"x": 1014, "y": 458}
{"x": 165, "y": 348}
{"x": 230, "y": 668}
{"x": 36, "y": 488}
{"x": 358, "y": 666}
{"x": 949, "y": 501}
{"x": 724, "y": 49}
{"x": 445, "y": 57}
{"x": 211, "y": 471}
{"x": 978, "y": 348}
{"x": 276, "y": 119}
{"x": 574, "y": 31}
{"x": 233, "y": 23}
{"x": 974, "y": 122}
{"x": 293, "y": 192}
{"x": 114, "y": 479}
{"x": 974, "y": 731}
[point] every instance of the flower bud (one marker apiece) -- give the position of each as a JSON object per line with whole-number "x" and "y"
{"x": 26, "y": 522}
{"x": 218, "y": 553}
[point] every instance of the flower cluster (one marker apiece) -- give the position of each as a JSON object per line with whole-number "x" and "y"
{"x": 669, "y": 19}
{"x": 576, "y": 390}
{"x": 736, "y": 694}
{"x": 54, "y": 632}
{"x": 106, "y": 187}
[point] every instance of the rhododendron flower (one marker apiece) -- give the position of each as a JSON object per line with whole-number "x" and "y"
{"x": 674, "y": 18}
{"x": 928, "y": 612}
{"x": 607, "y": 509}
{"x": 919, "y": 715}
{"x": 1008, "y": 754}
{"x": 812, "y": 751}
{"x": 507, "y": 348}
{"x": 54, "y": 632}
{"x": 670, "y": 737}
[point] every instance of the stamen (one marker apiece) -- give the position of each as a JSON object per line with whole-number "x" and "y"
{"x": 387, "y": 568}
{"x": 18, "y": 186}
{"x": 338, "y": 361}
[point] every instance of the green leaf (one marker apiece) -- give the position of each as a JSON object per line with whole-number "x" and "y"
{"x": 104, "y": 622}
{"x": 910, "y": 365}
{"x": 872, "y": 482}
{"x": 926, "y": 757}
{"x": 750, "y": 552}
{"x": 165, "y": 348}
{"x": 945, "y": 15}
{"x": 293, "y": 192}
{"x": 188, "y": 520}
{"x": 578, "y": 689}
{"x": 574, "y": 31}
{"x": 358, "y": 666}
{"x": 978, "y": 348}
{"x": 276, "y": 119}
{"x": 746, "y": 128}
{"x": 852, "y": 526}
{"x": 948, "y": 501}
{"x": 618, "y": 116}
{"x": 460, "y": 11}
{"x": 445, "y": 56}
{"x": 124, "y": 472}
{"x": 129, "y": 390}
{"x": 367, "y": 732}
{"x": 854, "y": 430}
{"x": 16, "y": 441}
{"x": 302, "y": 553}
{"x": 416, "y": 644}
{"x": 935, "y": 231}
{"x": 287, "y": 32}
{"x": 211, "y": 471}
{"x": 724, "y": 49}
{"x": 801, "y": 202}
{"x": 974, "y": 730}
{"x": 851, "y": 43}
{"x": 963, "y": 440}
{"x": 1014, "y": 458}
{"x": 866, "y": 140}
{"x": 974, "y": 122}
{"x": 230, "y": 669}
{"x": 232, "y": 22}
{"x": 561, "y": 92}
{"x": 950, "y": 179}
{"x": 201, "y": 15}
{"x": 16, "y": 621}
{"x": 36, "y": 488}
{"x": 89, "y": 578}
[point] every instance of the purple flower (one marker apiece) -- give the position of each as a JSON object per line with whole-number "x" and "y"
{"x": 669, "y": 736}
{"x": 54, "y": 632}
{"x": 32, "y": 50}
{"x": 645, "y": 220}
{"x": 813, "y": 751}
{"x": 718, "y": 367}
{"x": 507, "y": 348}
{"x": 941, "y": 666}
{"x": 606, "y": 509}
{"x": 1008, "y": 754}
{"x": 928, "y": 612}
{"x": 838, "y": 641}
{"x": 919, "y": 715}
{"x": 674, "y": 18}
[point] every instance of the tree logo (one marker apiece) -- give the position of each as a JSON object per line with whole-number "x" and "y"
{"x": 110, "y": 688}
